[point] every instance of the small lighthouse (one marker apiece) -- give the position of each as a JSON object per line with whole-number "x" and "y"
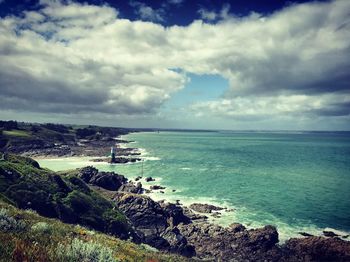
{"x": 112, "y": 154}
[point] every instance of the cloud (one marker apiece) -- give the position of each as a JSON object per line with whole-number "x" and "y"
{"x": 210, "y": 16}
{"x": 76, "y": 58}
{"x": 243, "y": 108}
{"x": 147, "y": 12}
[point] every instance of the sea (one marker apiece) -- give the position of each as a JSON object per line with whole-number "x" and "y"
{"x": 296, "y": 181}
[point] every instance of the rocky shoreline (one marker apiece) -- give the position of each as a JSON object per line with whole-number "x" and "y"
{"x": 174, "y": 228}
{"x": 98, "y": 149}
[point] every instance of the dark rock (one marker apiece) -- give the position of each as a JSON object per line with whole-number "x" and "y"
{"x": 215, "y": 242}
{"x": 149, "y": 179}
{"x": 174, "y": 190}
{"x": 330, "y": 234}
{"x": 216, "y": 214}
{"x": 155, "y": 187}
{"x": 97, "y": 160}
{"x": 304, "y": 234}
{"x": 138, "y": 178}
{"x": 131, "y": 188}
{"x": 86, "y": 173}
{"x": 175, "y": 214}
{"x": 106, "y": 180}
{"x": 147, "y": 216}
{"x": 236, "y": 227}
{"x": 316, "y": 249}
{"x": 178, "y": 243}
{"x": 204, "y": 208}
{"x": 193, "y": 216}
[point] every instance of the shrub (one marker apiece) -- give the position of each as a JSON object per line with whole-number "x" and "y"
{"x": 8, "y": 223}
{"x": 79, "y": 250}
{"x": 42, "y": 227}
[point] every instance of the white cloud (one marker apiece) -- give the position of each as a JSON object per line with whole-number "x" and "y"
{"x": 270, "y": 107}
{"x": 208, "y": 15}
{"x": 147, "y": 12}
{"x": 74, "y": 58}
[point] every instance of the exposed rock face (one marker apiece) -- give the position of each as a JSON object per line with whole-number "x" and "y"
{"x": 131, "y": 188}
{"x": 146, "y": 215}
{"x": 316, "y": 249}
{"x": 234, "y": 243}
{"x": 175, "y": 214}
{"x": 177, "y": 242}
{"x": 150, "y": 221}
{"x": 106, "y": 180}
{"x": 204, "y": 208}
{"x": 193, "y": 216}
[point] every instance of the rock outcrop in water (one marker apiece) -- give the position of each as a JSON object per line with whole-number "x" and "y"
{"x": 205, "y": 208}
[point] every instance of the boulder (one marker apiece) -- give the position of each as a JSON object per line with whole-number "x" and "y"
{"x": 131, "y": 188}
{"x": 106, "y": 180}
{"x": 155, "y": 187}
{"x": 305, "y": 234}
{"x": 330, "y": 234}
{"x": 86, "y": 173}
{"x": 149, "y": 179}
{"x": 204, "y": 208}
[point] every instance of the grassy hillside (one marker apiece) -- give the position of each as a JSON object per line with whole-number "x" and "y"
{"x": 26, "y": 236}
{"x": 27, "y": 186}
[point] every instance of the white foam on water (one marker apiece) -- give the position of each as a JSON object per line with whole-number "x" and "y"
{"x": 185, "y": 168}
{"x": 151, "y": 158}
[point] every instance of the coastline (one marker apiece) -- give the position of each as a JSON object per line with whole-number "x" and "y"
{"x": 188, "y": 228}
{"x": 227, "y": 216}
{"x": 171, "y": 195}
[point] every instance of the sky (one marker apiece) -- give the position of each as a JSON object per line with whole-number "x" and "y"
{"x": 236, "y": 65}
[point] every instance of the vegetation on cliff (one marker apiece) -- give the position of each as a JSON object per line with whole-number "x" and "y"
{"x": 27, "y": 236}
{"x": 66, "y": 197}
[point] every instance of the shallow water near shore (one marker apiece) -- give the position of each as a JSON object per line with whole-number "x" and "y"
{"x": 295, "y": 181}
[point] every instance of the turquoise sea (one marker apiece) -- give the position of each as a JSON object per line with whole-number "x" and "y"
{"x": 297, "y": 181}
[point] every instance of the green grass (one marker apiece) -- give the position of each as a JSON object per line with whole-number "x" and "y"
{"x": 66, "y": 197}
{"x": 44, "y": 239}
{"x": 17, "y": 133}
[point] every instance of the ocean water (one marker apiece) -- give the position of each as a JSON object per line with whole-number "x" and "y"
{"x": 299, "y": 182}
